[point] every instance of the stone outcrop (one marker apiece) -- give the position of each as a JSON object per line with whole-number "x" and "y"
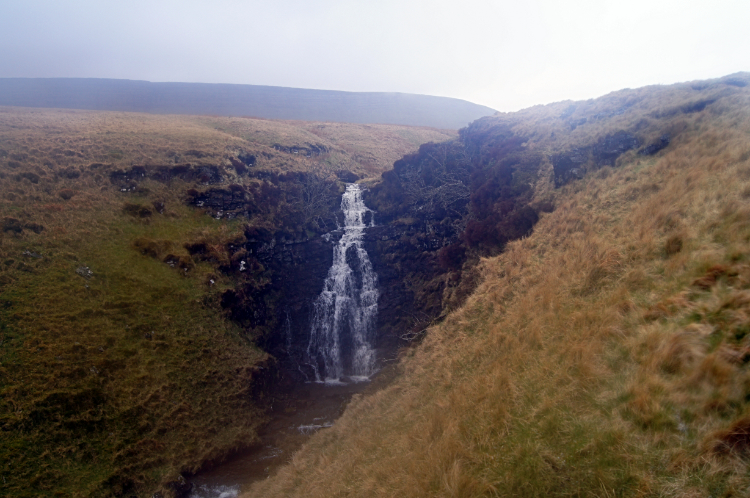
{"x": 284, "y": 275}
{"x": 576, "y": 162}
{"x": 655, "y": 147}
{"x": 405, "y": 258}
{"x": 127, "y": 180}
{"x": 307, "y": 150}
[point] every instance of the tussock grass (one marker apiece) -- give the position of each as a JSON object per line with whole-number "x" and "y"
{"x": 604, "y": 355}
{"x": 120, "y": 380}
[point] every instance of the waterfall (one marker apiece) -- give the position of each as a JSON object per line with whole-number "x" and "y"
{"x": 343, "y": 322}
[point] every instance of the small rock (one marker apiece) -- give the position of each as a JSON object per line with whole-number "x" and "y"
{"x": 85, "y": 272}
{"x": 181, "y": 487}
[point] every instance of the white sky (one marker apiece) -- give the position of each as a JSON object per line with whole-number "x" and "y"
{"x": 504, "y": 54}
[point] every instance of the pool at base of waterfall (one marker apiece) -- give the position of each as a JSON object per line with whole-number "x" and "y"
{"x": 296, "y": 416}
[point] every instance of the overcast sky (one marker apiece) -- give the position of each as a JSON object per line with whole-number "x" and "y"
{"x": 504, "y": 54}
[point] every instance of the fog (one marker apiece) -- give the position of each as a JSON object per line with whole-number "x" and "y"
{"x": 506, "y": 55}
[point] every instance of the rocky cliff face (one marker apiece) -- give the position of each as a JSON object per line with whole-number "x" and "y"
{"x": 296, "y": 268}
{"x": 412, "y": 281}
{"x": 441, "y": 209}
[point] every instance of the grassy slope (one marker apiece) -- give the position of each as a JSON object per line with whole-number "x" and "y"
{"x": 120, "y": 381}
{"x": 604, "y": 355}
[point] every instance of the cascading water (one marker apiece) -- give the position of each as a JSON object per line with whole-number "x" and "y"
{"x": 343, "y": 324}
{"x": 340, "y": 352}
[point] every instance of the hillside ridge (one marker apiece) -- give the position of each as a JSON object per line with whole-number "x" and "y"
{"x": 240, "y": 100}
{"x": 606, "y": 353}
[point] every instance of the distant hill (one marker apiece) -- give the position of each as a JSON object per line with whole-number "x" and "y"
{"x": 240, "y": 100}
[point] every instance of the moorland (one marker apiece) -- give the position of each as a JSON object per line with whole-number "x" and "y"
{"x": 567, "y": 288}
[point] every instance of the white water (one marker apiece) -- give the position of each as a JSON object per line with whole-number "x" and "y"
{"x": 345, "y": 311}
{"x": 215, "y": 492}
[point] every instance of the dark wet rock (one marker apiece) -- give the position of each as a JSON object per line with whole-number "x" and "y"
{"x": 307, "y": 150}
{"x": 283, "y": 273}
{"x": 159, "y": 206}
{"x": 180, "y": 488}
{"x": 12, "y": 225}
{"x": 573, "y": 164}
{"x": 608, "y": 149}
{"x": 127, "y": 180}
{"x": 347, "y": 176}
{"x": 221, "y": 203}
{"x": 696, "y": 106}
{"x": 367, "y": 218}
{"x": 34, "y": 227}
{"x": 405, "y": 258}
{"x": 196, "y": 153}
{"x": 353, "y": 260}
{"x": 208, "y": 175}
{"x": 655, "y": 147}
{"x": 180, "y": 262}
{"x": 16, "y": 226}
{"x": 198, "y": 248}
{"x": 247, "y": 159}
{"x": 85, "y": 272}
{"x": 569, "y": 165}
{"x": 238, "y": 165}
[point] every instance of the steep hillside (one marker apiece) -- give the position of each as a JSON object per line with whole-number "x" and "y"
{"x": 142, "y": 263}
{"x": 606, "y": 354}
{"x": 240, "y": 100}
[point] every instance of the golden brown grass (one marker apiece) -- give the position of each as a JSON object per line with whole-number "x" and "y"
{"x": 50, "y": 138}
{"x": 366, "y": 149}
{"x": 604, "y": 355}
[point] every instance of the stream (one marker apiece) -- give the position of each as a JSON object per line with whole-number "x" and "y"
{"x": 304, "y": 411}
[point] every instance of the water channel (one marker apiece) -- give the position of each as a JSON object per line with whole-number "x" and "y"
{"x": 340, "y": 352}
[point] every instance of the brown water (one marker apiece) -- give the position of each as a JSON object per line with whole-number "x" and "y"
{"x": 295, "y": 417}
